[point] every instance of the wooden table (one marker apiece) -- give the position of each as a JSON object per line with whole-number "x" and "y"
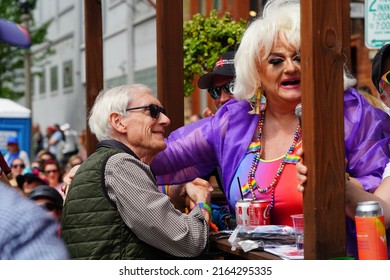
{"x": 221, "y": 249}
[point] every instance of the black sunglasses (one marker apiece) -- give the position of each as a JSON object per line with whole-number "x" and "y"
{"x": 48, "y": 206}
{"x": 215, "y": 92}
{"x": 154, "y": 110}
{"x": 18, "y": 165}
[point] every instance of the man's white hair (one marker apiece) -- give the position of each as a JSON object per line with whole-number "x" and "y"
{"x": 116, "y": 99}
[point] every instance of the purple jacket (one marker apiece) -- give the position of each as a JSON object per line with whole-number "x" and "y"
{"x": 196, "y": 149}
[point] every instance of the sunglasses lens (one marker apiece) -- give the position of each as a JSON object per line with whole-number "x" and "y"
{"x": 155, "y": 111}
{"x": 228, "y": 88}
{"x": 387, "y": 78}
{"x": 48, "y": 206}
{"x": 215, "y": 92}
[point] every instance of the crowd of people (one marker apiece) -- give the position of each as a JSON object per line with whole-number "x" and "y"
{"x": 37, "y": 179}
{"x": 125, "y": 201}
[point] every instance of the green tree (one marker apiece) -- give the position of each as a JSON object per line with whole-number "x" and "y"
{"x": 205, "y": 39}
{"x": 11, "y": 58}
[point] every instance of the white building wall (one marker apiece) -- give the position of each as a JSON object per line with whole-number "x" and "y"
{"x": 129, "y": 55}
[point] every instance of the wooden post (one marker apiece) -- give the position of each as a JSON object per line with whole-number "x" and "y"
{"x": 346, "y": 26}
{"x": 94, "y": 60}
{"x": 323, "y": 128}
{"x": 170, "y": 76}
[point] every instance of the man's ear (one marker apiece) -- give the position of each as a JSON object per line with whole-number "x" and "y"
{"x": 116, "y": 122}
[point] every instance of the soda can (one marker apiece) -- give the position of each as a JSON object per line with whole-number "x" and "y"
{"x": 370, "y": 231}
{"x": 242, "y": 212}
{"x": 259, "y": 213}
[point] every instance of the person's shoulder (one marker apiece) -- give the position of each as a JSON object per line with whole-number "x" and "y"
{"x": 23, "y": 152}
{"x": 16, "y": 208}
{"x": 353, "y": 97}
{"x": 357, "y": 109}
{"x": 12, "y": 200}
{"x": 121, "y": 159}
{"x": 234, "y": 106}
{"x": 27, "y": 232}
{"x": 8, "y": 196}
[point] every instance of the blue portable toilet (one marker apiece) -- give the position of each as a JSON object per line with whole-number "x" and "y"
{"x": 15, "y": 120}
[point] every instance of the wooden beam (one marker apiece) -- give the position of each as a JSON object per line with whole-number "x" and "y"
{"x": 93, "y": 60}
{"x": 170, "y": 76}
{"x": 323, "y": 128}
{"x": 346, "y": 25}
{"x": 241, "y": 9}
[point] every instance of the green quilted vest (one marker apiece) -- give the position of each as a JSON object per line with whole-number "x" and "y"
{"x": 91, "y": 225}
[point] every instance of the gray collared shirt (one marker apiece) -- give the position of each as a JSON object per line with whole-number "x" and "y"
{"x": 149, "y": 213}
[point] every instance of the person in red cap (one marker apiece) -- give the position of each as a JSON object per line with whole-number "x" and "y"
{"x": 219, "y": 82}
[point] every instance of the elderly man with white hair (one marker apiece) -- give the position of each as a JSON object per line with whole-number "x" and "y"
{"x": 113, "y": 209}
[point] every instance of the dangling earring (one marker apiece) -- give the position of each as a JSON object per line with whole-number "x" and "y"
{"x": 258, "y": 102}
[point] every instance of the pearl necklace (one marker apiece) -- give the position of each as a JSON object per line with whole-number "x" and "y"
{"x": 289, "y": 157}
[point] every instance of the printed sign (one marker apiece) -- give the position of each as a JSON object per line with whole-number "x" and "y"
{"x": 377, "y": 23}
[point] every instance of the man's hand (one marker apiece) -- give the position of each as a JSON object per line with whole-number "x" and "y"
{"x": 207, "y": 112}
{"x": 197, "y": 191}
{"x": 68, "y": 179}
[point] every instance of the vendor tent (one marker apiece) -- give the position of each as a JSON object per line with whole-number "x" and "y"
{"x": 15, "y": 120}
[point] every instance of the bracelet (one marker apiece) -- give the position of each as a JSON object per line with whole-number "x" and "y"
{"x": 165, "y": 189}
{"x": 205, "y": 206}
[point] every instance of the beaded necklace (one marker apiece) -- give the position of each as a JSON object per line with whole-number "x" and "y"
{"x": 289, "y": 157}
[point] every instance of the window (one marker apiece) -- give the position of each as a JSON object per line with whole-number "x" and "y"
{"x": 54, "y": 78}
{"x": 42, "y": 82}
{"x": 68, "y": 74}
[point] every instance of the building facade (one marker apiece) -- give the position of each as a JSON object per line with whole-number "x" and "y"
{"x": 129, "y": 53}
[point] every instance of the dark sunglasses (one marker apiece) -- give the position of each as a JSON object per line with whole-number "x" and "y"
{"x": 215, "y": 92}
{"x": 51, "y": 171}
{"x": 48, "y": 206}
{"x": 154, "y": 110}
{"x": 30, "y": 180}
{"x": 18, "y": 165}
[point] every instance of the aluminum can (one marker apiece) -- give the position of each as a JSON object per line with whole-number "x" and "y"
{"x": 259, "y": 213}
{"x": 242, "y": 212}
{"x": 370, "y": 231}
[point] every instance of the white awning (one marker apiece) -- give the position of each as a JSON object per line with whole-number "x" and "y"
{"x": 11, "y": 109}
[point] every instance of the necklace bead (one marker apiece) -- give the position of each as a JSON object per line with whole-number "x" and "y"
{"x": 252, "y": 183}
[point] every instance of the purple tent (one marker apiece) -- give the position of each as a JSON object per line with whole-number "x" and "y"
{"x": 14, "y": 34}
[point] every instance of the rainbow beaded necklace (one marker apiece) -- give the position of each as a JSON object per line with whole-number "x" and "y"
{"x": 288, "y": 158}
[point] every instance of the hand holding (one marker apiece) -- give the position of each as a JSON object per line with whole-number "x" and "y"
{"x": 197, "y": 191}
{"x": 207, "y": 112}
{"x": 68, "y": 179}
{"x": 301, "y": 172}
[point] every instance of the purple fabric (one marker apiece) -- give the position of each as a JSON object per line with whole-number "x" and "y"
{"x": 367, "y": 134}
{"x": 196, "y": 149}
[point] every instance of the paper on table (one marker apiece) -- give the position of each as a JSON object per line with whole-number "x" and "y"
{"x": 286, "y": 252}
